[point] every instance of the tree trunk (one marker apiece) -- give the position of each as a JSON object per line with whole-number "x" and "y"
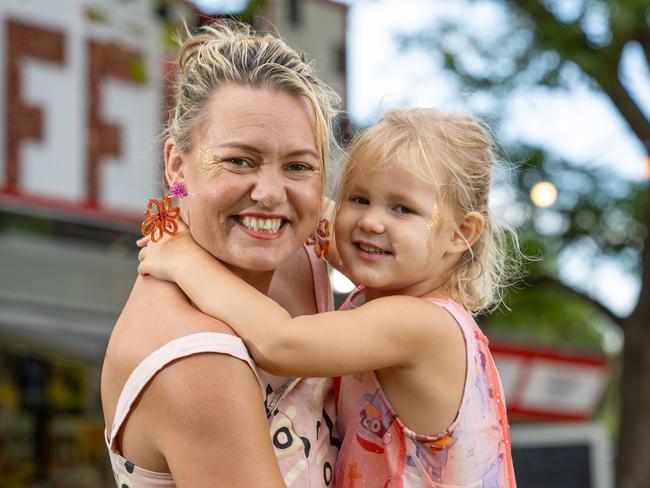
{"x": 633, "y": 457}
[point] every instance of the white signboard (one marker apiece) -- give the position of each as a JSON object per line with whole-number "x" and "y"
{"x": 550, "y": 384}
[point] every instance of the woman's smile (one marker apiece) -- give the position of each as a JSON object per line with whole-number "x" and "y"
{"x": 262, "y": 226}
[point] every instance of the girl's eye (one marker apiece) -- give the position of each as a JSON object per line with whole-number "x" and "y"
{"x": 359, "y": 200}
{"x": 403, "y": 209}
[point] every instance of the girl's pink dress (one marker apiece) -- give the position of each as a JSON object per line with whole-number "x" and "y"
{"x": 378, "y": 450}
{"x": 300, "y": 411}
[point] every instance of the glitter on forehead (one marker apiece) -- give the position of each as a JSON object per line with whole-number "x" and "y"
{"x": 204, "y": 154}
{"x": 434, "y": 218}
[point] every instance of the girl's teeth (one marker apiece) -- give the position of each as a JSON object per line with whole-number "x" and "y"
{"x": 372, "y": 250}
{"x": 260, "y": 224}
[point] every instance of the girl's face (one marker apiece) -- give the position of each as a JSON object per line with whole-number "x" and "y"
{"x": 253, "y": 177}
{"x": 390, "y": 233}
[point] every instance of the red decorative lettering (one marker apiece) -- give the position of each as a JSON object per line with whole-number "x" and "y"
{"x": 23, "y": 121}
{"x": 105, "y": 60}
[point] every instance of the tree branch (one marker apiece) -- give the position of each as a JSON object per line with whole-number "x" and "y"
{"x": 643, "y": 38}
{"x": 631, "y": 112}
{"x": 556, "y": 283}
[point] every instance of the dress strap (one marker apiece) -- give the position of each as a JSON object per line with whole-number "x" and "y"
{"x": 462, "y": 316}
{"x": 202, "y": 342}
{"x": 322, "y": 289}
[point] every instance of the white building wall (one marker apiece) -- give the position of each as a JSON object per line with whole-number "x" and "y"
{"x": 320, "y": 33}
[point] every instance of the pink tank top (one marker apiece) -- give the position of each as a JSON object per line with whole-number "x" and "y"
{"x": 378, "y": 450}
{"x": 301, "y": 411}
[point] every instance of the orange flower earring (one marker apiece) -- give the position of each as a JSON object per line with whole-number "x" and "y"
{"x": 163, "y": 220}
{"x": 322, "y": 241}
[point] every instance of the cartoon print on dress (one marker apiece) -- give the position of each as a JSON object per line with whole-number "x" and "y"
{"x": 123, "y": 481}
{"x": 353, "y": 474}
{"x": 491, "y": 475}
{"x": 433, "y": 455}
{"x": 293, "y": 449}
{"x": 375, "y": 420}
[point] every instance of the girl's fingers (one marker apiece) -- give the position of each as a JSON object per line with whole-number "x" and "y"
{"x": 141, "y": 254}
{"x": 143, "y": 241}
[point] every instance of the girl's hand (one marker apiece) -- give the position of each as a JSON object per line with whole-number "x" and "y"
{"x": 163, "y": 259}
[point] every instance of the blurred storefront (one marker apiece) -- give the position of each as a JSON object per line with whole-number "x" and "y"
{"x": 80, "y": 92}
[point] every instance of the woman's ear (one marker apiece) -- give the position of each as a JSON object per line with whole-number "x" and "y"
{"x": 467, "y": 233}
{"x": 173, "y": 162}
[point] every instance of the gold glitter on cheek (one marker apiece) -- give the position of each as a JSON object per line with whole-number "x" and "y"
{"x": 434, "y": 218}
{"x": 204, "y": 155}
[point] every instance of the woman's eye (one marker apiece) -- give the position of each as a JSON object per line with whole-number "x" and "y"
{"x": 359, "y": 200}
{"x": 403, "y": 209}
{"x": 240, "y": 162}
{"x": 298, "y": 167}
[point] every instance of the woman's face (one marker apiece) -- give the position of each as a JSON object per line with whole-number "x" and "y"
{"x": 253, "y": 177}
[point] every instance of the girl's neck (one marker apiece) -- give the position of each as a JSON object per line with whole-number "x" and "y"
{"x": 414, "y": 291}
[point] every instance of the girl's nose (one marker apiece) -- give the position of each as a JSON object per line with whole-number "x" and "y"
{"x": 269, "y": 189}
{"x": 372, "y": 221}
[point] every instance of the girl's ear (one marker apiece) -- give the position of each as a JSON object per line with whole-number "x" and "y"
{"x": 174, "y": 164}
{"x": 467, "y": 233}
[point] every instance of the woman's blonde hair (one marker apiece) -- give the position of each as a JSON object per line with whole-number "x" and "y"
{"x": 232, "y": 52}
{"x": 456, "y": 154}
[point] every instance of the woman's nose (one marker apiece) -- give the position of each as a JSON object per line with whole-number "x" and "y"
{"x": 269, "y": 189}
{"x": 372, "y": 221}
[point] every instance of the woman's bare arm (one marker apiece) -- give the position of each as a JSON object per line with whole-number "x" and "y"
{"x": 202, "y": 417}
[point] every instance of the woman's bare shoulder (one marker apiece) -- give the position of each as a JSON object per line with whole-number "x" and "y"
{"x": 156, "y": 313}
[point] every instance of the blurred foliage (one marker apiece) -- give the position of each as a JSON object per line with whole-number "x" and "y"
{"x": 252, "y": 10}
{"x": 138, "y": 71}
{"x": 571, "y": 321}
{"x": 173, "y": 16}
{"x": 555, "y": 45}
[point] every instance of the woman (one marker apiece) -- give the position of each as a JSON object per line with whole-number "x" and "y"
{"x": 248, "y": 139}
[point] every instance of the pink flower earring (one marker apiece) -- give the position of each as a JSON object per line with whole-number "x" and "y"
{"x": 178, "y": 190}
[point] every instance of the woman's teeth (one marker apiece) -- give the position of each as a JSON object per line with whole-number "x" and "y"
{"x": 259, "y": 224}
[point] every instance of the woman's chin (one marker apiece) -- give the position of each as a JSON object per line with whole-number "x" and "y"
{"x": 257, "y": 260}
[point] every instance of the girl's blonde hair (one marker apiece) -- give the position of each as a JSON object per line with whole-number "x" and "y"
{"x": 232, "y": 52}
{"x": 456, "y": 154}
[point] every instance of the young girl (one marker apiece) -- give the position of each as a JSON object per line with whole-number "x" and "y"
{"x": 421, "y": 402}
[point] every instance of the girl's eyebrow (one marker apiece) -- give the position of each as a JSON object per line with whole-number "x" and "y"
{"x": 399, "y": 197}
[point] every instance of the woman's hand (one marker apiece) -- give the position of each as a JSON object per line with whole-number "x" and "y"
{"x": 164, "y": 259}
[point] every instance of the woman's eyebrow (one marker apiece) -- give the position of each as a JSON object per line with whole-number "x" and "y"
{"x": 254, "y": 150}
{"x": 302, "y": 152}
{"x": 239, "y": 145}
